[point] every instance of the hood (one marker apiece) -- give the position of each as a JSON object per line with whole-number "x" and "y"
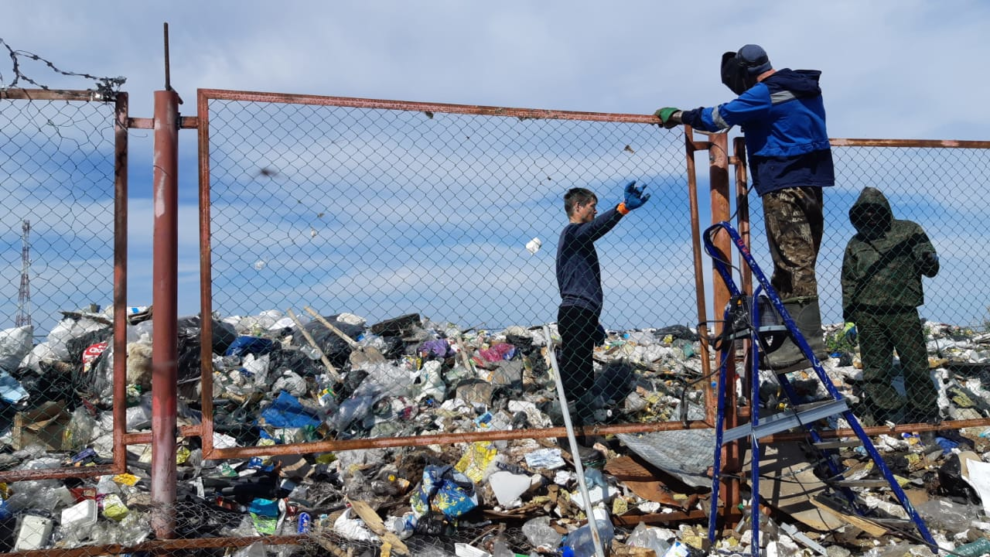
{"x": 803, "y": 83}
{"x": 871, "y": 214}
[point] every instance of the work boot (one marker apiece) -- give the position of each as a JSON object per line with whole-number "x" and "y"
{"x": 807, "y": 316}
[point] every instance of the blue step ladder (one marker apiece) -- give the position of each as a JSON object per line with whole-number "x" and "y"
{"x": 743, "y": 307}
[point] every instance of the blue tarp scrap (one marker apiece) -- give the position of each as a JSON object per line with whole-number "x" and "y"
{"x": 242, "y": 346}
{"x": 286, "y": 412}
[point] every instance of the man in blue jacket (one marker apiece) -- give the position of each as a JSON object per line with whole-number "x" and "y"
{"x": 782, "y": 115}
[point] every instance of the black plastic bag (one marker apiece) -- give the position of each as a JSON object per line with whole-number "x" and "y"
{"x": 335, "y": 348}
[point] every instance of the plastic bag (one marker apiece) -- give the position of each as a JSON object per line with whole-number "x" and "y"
{"x": 68, "y": 329}
{"x": 541, "y": 535}
{"x": 189, "y": 332}
{"x": 445, "y": 491}
{"x": 15, "y": 344}
{"x": 81, "y": 430}
{"x": 335, "y": 348}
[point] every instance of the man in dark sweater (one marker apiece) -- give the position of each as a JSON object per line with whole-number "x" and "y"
{"x": 580, "y": 281}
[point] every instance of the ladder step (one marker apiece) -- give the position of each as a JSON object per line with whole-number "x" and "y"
{"x": 838, "y": 444}
{"x": 786, "y": 420}
{"x": 872, "y": 482}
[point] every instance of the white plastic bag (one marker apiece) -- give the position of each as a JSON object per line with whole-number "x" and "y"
{"x": 14, "y": 345}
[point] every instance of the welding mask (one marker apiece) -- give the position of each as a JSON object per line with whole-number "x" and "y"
{"x": 740, "y": 69}
{"x": 735, "y": 73}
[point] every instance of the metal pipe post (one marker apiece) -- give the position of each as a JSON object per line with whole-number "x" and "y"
{"x": 120, "y": 285}
{"x": 572, "y": 442}
{"x": 718, "y": 169}
{"x": 164, "y": 354}
{"x": 690, "y": 146}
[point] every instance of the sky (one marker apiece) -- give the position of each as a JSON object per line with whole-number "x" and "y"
{"x": 892, "y": 70}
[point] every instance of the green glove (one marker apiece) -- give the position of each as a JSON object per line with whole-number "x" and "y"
{"x": 665, "y": 115}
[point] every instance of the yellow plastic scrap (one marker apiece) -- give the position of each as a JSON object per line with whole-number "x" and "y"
{"x": 619, "y": 506}
{"x": 326, "y": 458}
{"x": 126, "y": 479}
{"x": 4, "y": 491}
{"x": 693, "y": 538}
{"x": 476, "y": 460}
{"x": 114, "y": 508}
{"x": 182, "y": 455}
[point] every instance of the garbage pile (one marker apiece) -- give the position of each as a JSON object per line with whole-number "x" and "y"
{"x": 286, "y": 378}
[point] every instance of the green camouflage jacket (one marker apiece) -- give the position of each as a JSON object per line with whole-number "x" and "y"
{"x": 884, "y": 261}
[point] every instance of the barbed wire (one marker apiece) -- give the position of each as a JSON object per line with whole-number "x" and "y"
{"x": 107, "y": 87}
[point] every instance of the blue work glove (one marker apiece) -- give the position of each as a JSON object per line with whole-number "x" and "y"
{"x": 634, "y": 197}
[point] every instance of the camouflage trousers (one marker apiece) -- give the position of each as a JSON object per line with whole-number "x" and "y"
{"x": 882, "y": 332}
{"x": 795, "y": 224}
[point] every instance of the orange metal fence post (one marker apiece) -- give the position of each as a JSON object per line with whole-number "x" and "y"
{"x": 690, "y": 146}
{"x": 165, "y": 296}
{"x": 718, "y": 168}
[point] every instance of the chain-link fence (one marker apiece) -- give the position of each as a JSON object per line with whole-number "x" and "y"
{"x": 379, "y": 275}
{"x": 408, "y": 251}
{"x": 904, "y": 310}
{"x": 63, "y": 229}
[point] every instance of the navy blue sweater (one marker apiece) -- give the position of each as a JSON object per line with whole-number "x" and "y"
{"x": 578, "y": 274}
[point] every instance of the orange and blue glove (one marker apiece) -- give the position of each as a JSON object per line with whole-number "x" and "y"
{"x": 634, "y": 198}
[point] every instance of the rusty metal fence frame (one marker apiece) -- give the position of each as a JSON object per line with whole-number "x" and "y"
{"x": 743, "y": 222}
{"x": 206, "y": 280}
{"x": 720, "y": 162}
{"x": 120, "y": 436}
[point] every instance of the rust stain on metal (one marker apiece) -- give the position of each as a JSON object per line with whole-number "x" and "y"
{"x": 443, "y": 439}
{"x": 120, "y": 282}
{"x": 57, "y": 473}
{"x": 141, "y": 123}
{"x": 205, "y": 272}
{"x": 435, "y": 108}
{"x": 911, "y": 143}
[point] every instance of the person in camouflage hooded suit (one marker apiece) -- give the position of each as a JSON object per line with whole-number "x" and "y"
{"x": 881, "y": 291}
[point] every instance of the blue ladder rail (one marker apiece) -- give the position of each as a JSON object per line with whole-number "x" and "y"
{"x": 723, "y": 267}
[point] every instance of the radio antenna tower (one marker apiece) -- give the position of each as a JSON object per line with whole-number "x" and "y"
{"x": 23, "y": 317}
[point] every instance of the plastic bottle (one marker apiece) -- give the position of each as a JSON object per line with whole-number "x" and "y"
{"x": 582, "y": 543}
{"x": 501, "y": 548}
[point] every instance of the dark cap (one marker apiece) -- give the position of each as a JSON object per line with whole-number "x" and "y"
{"x": 755, "y": 59}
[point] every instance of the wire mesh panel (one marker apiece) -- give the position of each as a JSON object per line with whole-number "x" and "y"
{"x": 62, "y": 243}
{"x": 409, "y": 251}
{"x": 386, "y": 212}
{"x": 901, "y": 259}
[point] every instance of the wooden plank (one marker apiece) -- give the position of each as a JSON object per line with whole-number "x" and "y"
{"x": 375, "y": 524}
{"x": 797, "y": 487}
{"x": 870, "y": 528}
